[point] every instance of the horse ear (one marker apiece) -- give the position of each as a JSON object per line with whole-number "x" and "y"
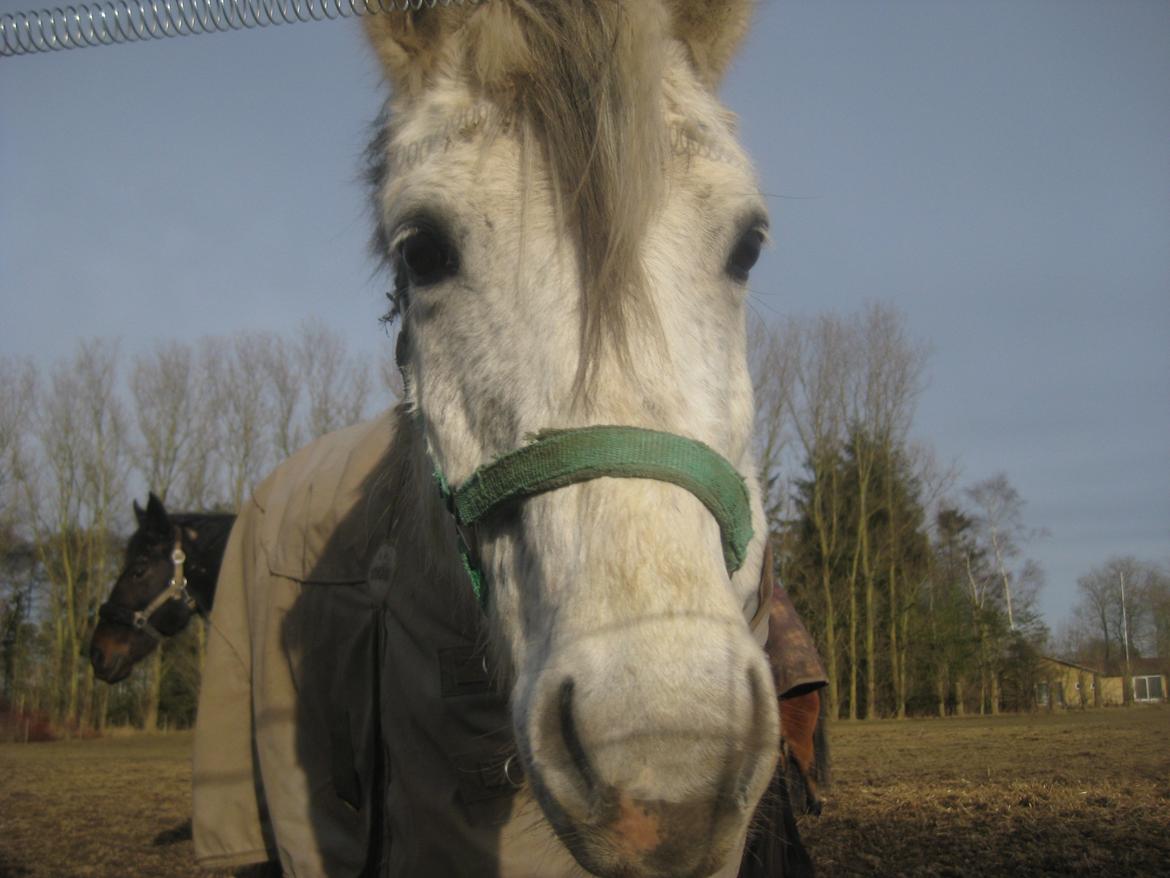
{"x": 411, "y": 44}
{"x": 139, "y": 514}
{"x": 156, "y": 515}
{"x": 712, "y": 30}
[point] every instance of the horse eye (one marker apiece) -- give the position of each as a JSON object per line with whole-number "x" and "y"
{"x": 745, "y": 255}
{"x": 424, "y": 258}
{"x": 139, "y": 571}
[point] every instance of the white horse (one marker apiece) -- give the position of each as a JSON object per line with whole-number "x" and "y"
{"x": 571, "y": 224}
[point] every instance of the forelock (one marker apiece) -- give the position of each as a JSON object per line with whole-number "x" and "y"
{"x": 591, "y": 94}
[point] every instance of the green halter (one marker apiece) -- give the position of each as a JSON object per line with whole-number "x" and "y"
{"x": 557, "y": 458}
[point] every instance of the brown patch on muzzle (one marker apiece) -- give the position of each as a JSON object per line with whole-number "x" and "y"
{"x": 675, "y": 839}
{"x": 637, "y": 829}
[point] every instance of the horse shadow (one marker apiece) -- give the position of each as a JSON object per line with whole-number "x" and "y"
{"x": 174, "y": 835}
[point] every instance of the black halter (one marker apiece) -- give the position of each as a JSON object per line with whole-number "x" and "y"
{"x": 176, "y": 590}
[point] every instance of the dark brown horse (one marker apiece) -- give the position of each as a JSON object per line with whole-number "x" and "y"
{"x": 172, "y": 563}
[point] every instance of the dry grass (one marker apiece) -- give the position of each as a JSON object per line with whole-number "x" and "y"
{"x": 96, "y": 808}
{"x": 1078, "y": 793}
{"x": 1062, "y": 794}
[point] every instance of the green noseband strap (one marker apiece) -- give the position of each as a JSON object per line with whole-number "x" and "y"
{"x": 557, "y": 458}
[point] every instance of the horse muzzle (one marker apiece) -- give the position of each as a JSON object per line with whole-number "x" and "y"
{"x": 648, "y": 770}
{"x": 109, "y": 665}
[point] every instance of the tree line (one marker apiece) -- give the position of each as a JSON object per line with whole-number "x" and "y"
{"x": 918, "y": 589}
{"x": 196, "y": 422}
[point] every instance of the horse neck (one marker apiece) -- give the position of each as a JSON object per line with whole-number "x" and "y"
{"x": 204, "y": 553}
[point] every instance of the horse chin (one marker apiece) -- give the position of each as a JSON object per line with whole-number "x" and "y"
{"x": 614, "y": 835}
{"x": 116, "y": 674}
{"x": 629, "y": 838}
{"x": 112, "y": 669}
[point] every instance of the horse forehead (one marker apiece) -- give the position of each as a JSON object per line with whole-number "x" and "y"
{"x": 137, "y": 545}
{"x": 143, "y": 543}
{"x": 454, "y": 111}
{"x": 479, "y": 171}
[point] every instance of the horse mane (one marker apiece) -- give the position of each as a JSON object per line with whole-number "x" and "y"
{"x": 583, "y": 82}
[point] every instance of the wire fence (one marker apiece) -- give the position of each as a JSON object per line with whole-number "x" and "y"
{"x": 129, "y": 21}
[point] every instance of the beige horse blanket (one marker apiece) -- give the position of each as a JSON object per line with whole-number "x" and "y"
{"x": 347, "y": 721}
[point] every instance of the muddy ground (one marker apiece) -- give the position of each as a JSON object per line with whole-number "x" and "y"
{"x": 1066, "y": 794}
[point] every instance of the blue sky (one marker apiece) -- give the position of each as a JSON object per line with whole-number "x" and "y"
{"x": 999, "y": 170}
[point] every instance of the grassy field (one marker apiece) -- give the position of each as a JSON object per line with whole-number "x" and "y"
{"x": 1061, "y": 794}
{"x": 1072, "y": 794}
{"x": 109, "y": 807}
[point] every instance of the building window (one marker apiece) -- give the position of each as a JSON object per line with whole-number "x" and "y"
{"x": 1147, "y": 688}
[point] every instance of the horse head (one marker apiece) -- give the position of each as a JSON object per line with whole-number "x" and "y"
{"x": 571, "y": 224}
{"x": 120, "y": 641}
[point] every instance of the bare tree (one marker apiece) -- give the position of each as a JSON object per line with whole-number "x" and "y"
{"x": 981, "y": 580}
{"x": 234, "y": 370}
{"x": 164, "y": 386}
{"x": 1005, "y": 588}
{"x": 199, "y": 482}
{"x": 816, "y": 405}
{"x": 282, "y": 365}
{"x": 338, "y": 385}
{"x": 55, "y": 510}
{"x": 106, "y": 469}
{"x": 1159, "y": 597}
{"x": 17, "y": 392}
{"x": 17, "y": 397}
{"x": 999, "y": 512}
{"x": 203, "y": 424}
{"x": 72, "y": 500}
{"x": 772, "y": 360}
{"x": 165, "y": 389}
{"x": 1124, "y": 603}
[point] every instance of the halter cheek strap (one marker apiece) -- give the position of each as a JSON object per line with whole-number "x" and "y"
{"x": 176, "y": 590}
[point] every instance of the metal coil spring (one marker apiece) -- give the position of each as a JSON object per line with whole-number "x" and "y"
{"x": 126, "y": 21}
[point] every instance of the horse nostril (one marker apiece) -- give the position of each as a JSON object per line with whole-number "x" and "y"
{"x": 761, "y": 731}
{"x": 572, "y": 740}
{"x": 96, "y": 657}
